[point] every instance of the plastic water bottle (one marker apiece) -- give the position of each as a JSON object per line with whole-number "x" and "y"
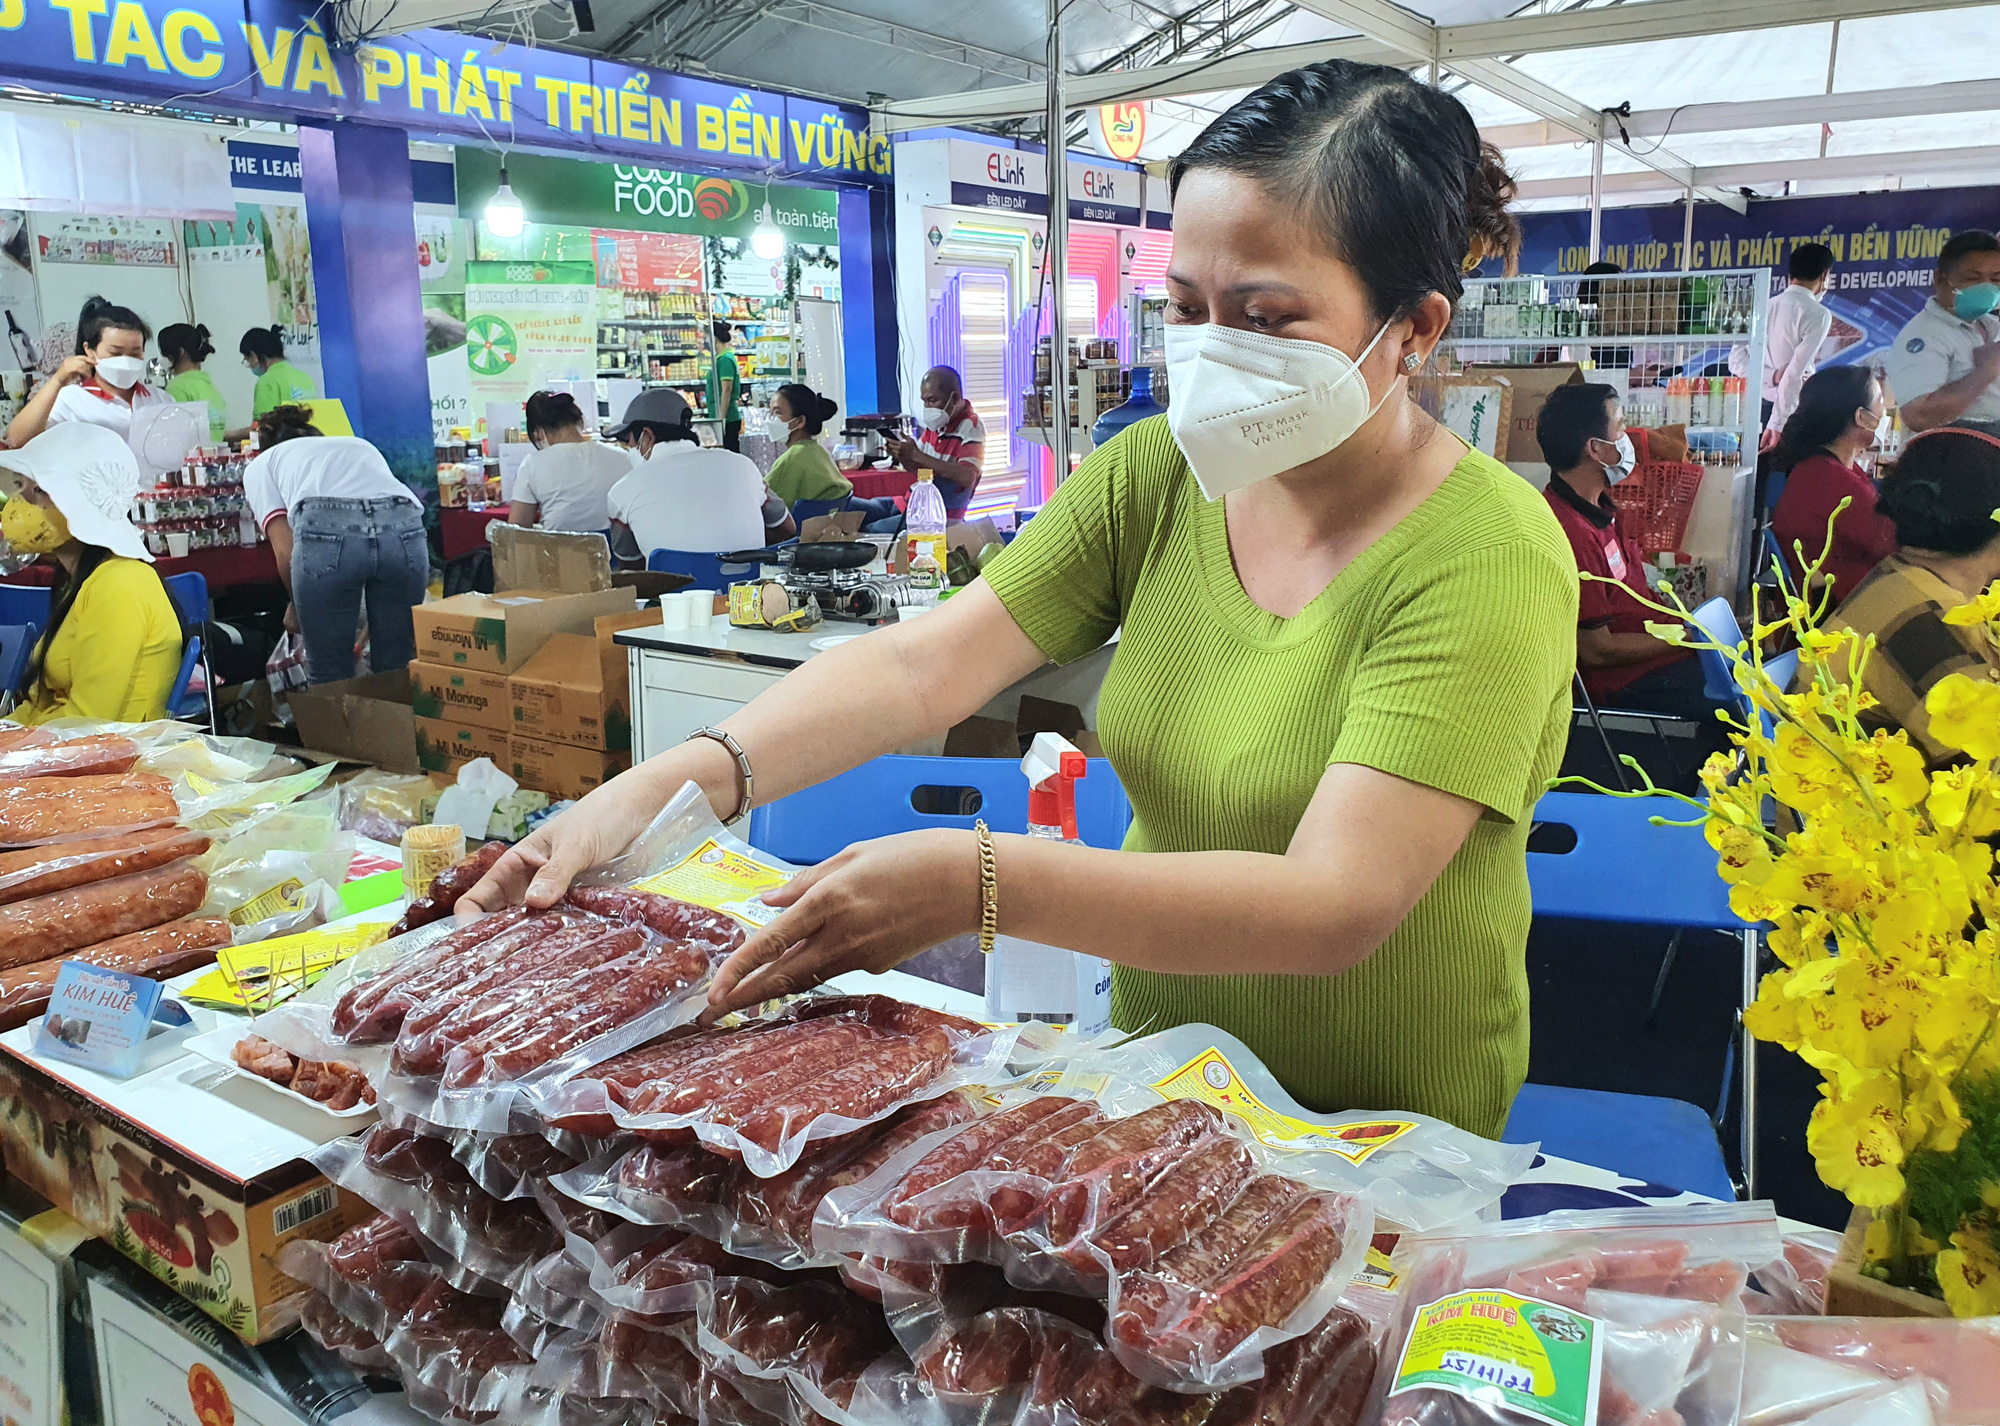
{"x": 1026, "y": 980}
{"x": 923, "y": 534}
{"x": 1137, "y": 407}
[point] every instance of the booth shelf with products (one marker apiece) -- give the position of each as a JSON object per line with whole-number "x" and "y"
{"x": 1682, "y": 349}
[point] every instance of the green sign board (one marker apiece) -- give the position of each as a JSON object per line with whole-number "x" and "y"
{"x": 566, "y": 192}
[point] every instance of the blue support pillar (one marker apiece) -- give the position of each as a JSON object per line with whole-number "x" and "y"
{"x": 867, "y": 300}
{"x": 371, "y": 322}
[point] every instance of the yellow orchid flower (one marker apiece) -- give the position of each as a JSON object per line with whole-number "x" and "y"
{"x": 1877, "y": 1243}
{"x": 1982, "y": 608}
{"x": 1968, "y": 1273}
{"x": 1965, "y": 714}
{"x": 1894, "y": 768}
{"x": 1856, "y": 1143}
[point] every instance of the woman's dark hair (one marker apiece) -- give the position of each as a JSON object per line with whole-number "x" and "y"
{"x": 806, "y": 402}
{"x": 99, "y": 316}
{"x": 1944, "y": 492}
{"x": 1827, "y": 403}
{"x": 264, "y": 343}
{"x": 284, "y": 423}
{"x": 552, "y": 411}
{"x": 181, "y": 340}
{"x": 62, "y": 598}
{"x": 1392, "y": 172}
{"x": 723, "y": 331}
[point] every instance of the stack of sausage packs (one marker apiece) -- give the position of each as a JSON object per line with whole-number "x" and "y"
{"x": 92, "y": 867}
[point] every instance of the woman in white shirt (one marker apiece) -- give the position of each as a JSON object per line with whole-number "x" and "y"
{"x": 343, "y": 529}
{"x": 562, "y": 485}
{"x": 101, "y": 383}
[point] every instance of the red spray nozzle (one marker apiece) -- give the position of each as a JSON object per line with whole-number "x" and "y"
{"x": 1052, "y": 801}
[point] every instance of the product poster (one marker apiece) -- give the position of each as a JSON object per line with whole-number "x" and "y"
{"x": 110, "y": 241}
{"x": 20, "y": 310}
{"x": 288, "y": 274}
{"x": 443, "y": 253}
{"x": 527, "y": 323}
{"x": 30, "y": 1334}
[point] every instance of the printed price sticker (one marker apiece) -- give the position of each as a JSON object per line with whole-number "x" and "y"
{"x": 723, "y": 880}
{"x": 1211, "y": 1078}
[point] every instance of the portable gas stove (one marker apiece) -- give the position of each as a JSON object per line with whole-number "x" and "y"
{"x": 852, "y": 594}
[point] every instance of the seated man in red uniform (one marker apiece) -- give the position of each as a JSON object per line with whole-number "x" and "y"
{"x": 1582, "y": 434}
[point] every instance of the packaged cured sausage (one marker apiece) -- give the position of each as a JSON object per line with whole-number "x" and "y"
{"x": 45, "y": 927}
{"x": 35, "y": 871}
{"x": 685, "y": 1186}
{"x": 441, "y": 899}
{"x": 350, "y": 1341}
{"x": 371, "y": 1275}
{"x": 801, "y": 1342}
{"x": 38, "y": 810}
{"x": 1871, "y": 1371}
{"x": 14, "y": 735}
{"x": 449, "y": 1342}
{"x": 1630, "y": 1314}
{"x": 99, "y": 754}
{"x": 764, "y": 1092}
{"x": 551, "y": 1299}
{"x": 398, "y": 1169}
{"x": 158, "y": 954}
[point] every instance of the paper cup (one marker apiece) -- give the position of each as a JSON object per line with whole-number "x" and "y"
{"x": 177, "y": 543}
{"x": 701, "y": 607}
{"x": 673, "y": 611}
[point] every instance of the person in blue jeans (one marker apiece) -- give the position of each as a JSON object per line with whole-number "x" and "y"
{"x": 344, "y": 530}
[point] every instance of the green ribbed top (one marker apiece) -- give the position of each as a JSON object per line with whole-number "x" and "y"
{"x": 1441, "y": 654}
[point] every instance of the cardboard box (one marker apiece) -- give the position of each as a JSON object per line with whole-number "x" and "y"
{"x": 557, "y": 560}
{"x": 367, "y": 719}
{"x": 444, "y": 746}
{"x": 461, "y": 695}
{"x": 204, "y": 1223}
{"x": 577, "y": 690}
{"x": 561, "y": 770}
{"x": 1530, "y": 387}
{"x": 497, "y": 633}
{"x": 1477, "y": 411}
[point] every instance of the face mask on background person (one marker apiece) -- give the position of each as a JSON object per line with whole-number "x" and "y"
{"x": 1976, "y": 301}
{"x": 1882, "y": 427}
{"x": 1248, "y": 406}
{"x": 31, "y": 528}
{"x": 931, "y": 418}
{"x": 121, "y": 373}
{"x": 1621, "y": 469}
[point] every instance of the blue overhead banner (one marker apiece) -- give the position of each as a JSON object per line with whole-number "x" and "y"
{"x": 273, "y": 58}
{"x": 1885, "y": 248}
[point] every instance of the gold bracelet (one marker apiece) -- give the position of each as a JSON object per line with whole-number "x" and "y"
{"x": 989, "y": 889}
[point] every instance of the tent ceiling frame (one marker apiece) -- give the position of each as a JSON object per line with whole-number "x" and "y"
{"x": 1801, "y": 170}
{"x": 1659, "y": 20}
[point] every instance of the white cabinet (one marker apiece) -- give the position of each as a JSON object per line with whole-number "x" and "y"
{"x": 677, "y": 693}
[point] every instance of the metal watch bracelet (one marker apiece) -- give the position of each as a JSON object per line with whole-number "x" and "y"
{"x": 744, "y": 802}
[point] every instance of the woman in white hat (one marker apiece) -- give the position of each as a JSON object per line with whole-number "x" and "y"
{"x": 115, "y": 637}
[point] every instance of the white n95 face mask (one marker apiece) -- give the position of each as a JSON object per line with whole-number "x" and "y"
{"x": 1247, "y": 406}
{"x": 121, "y": 373}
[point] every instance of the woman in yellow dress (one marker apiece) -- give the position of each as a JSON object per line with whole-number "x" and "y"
{"x": 113, "y": 645}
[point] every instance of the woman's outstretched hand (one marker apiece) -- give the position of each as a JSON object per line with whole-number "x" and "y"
{"x": 870, "y": 908}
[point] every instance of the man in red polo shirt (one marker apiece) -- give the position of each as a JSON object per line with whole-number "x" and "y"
{"x": 950, "y": 443}
{"x": 1582, "y": 435}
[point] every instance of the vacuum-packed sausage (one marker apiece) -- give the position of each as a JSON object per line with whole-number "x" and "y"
{"x": 859, "y": 1086}
{"x": 36, "y": 871}
{"x": 1040, "y": 1155}
{"x": 440, "y": 898}
{"x": 373, "y": 1010}
{"x": 1177, "y": 1205}
{"x": 676, "y": 920}
{"x": 753, "y": 1055}
{"x": 100, "y": 754}
{"x": 63, "y": 921}
{"x": 961, "y": 1154}
{"x": 46, "y": 809}
{"x": 788, "y": 1202}
{"x": 1108, "y": 1172}
{"x": 158, "y": 954}
{"x": 1239, "y": 1225}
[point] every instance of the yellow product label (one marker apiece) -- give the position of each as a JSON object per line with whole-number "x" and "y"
{"x": 933, "y": 543}
{"x": 1509, "y": 1353}
{"x": 722, "y": 880}
{"x": 1210, "y": 1078}
{"x": 291, "y": 959}
{"x": 1376, "y": 1272}
{"x": 201, "y": 785}
{"x": 287, "y": 895}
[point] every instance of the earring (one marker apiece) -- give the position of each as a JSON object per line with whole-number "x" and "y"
{"x": 1411, "y": 361}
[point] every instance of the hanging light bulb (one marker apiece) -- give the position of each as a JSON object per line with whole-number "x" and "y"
{"x": 766, "y": 240}
{"x": 504, "y": 213}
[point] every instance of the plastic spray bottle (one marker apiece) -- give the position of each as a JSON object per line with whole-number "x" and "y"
{"x": 1026, "y": 980}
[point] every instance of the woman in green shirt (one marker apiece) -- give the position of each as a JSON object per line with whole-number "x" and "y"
{"x": 279, "y": 383}
{"x": 187, "y": 348}
{"x": 804, "y": 470}
{"x": 1342, "y": 678}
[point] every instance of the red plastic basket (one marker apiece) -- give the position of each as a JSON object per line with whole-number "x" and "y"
{"x": 1654, "y": 502}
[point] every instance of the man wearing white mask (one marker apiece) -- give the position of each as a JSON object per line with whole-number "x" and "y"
{"x": 950, "y": 443}
{"x": 1582, "y": 434}
{"x": 102, "y": 384}
{"x": 1344, "y": 657}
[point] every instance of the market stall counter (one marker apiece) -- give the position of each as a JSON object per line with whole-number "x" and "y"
{"x": 683, "y": 679}
{"x": 223, "y": 567}
{"x": 462, "y": 531}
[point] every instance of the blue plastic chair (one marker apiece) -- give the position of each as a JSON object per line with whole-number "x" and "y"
{"x": 875, "y": 800}
{"x": 1717, "y": 621}
{"x": 1625, "y": 869}
{"x": 190, "y": 592}
{"x": 24, "y": 604}
{"x": 191, "y": 707}
{"x": 17, "y": 642}
{"x": 706, "y": 570}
